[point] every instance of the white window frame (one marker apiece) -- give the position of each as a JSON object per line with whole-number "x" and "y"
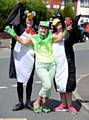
{"x": 84, "y": 3}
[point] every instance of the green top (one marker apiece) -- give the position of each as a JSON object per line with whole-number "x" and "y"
{"x": 43, "y": 48}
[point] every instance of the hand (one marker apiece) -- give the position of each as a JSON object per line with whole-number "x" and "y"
{"x": 68, "y": 28}
{"x": 10, "y": 31}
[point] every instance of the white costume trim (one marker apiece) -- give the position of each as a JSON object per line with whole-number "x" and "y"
{"x": 61, "y": 75}
{"x": 24, "y": 60}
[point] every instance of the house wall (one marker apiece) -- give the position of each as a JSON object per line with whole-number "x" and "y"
{"x": 53, "y": 4}
{"x": 82, "y": 10}
{"x": 78, "y": 10}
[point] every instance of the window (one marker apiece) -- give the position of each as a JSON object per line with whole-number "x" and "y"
{"x": 84, "y": 3}
{"x": 62, "y": 3}
{"x": 66, "y": 1}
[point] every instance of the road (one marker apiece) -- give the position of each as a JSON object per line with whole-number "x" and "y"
{"x": 8, "y": 95}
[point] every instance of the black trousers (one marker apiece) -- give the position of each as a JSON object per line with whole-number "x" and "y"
{"x": 28, "y": 88}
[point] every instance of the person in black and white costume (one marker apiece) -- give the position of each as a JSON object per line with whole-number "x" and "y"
{"x": 24, "y": 65}
{"x": 65, "y": 77}
{"x": 18, "y": 68}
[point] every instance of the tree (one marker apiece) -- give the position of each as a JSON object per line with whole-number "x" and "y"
{"x": 5, "y": 8}
{"x": 39, "y": 8}
{"x": 68, "y": 10}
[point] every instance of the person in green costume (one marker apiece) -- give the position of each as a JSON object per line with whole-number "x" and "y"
{"x": 45, "y": 63}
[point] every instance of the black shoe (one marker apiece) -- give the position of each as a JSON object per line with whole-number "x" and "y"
{"x": 28, "y": 105}
{"x": 18, "y": 106}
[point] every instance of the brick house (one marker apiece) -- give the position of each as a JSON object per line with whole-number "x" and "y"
{"x": 80, "y": 6}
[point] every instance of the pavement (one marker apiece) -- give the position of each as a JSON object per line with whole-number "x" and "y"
{"x": 5, "y": 43}
{"x": 81, "y": 94}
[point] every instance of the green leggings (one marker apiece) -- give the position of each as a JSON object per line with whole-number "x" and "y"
{"x": 45, "y": 72}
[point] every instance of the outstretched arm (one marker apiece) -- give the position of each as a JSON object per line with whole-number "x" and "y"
{"x": 13, "y": 34}
{"x": 24, "y": 41}
{"x": 60, "y": 36}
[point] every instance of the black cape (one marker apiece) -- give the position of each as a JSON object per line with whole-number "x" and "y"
{"x": 16, "y": 19}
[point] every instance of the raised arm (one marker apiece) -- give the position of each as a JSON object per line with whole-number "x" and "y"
{"x": 60, "y": 36}
{"x": 13, "y": 34}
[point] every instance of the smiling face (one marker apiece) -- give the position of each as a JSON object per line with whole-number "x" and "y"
{"x": 29, "y": 23}
{"x": 68, "y": 21}
{"x": 43, "y": 30}
{"x": 58, "y": 26}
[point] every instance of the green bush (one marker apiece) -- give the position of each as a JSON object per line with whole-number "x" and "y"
{"x": 68, "y": 10}
{"x": 42, "y": 12}
{"x": 39, "y": 8}
{"x": 5, "y": 8}
{"x": 7, "y": 5}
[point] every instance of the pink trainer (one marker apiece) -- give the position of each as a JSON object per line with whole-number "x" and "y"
{"x": 61, "y": 107}
{"x": 72, "y": 109}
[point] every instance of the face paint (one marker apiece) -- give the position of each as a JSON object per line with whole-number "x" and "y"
{"x": 68, "y": 21}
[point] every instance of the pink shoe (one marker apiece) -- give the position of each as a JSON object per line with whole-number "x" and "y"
{"x": 61, "y": 107}
{"x": 72, "y": 109}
